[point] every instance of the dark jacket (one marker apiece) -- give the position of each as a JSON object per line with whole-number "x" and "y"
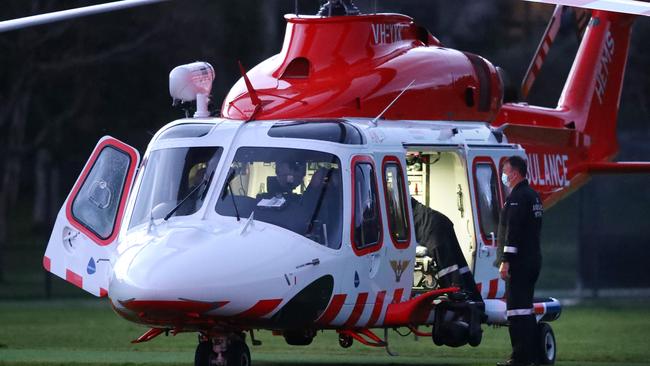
{"x": 435, "y": 231}
{"x": 520, "y": 224}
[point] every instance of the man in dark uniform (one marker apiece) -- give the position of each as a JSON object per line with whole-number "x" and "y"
{"x": 520, "y": 259}
{"x": 436, "y": 232}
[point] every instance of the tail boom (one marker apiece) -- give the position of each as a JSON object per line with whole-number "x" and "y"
{"x": 581, "y": 130}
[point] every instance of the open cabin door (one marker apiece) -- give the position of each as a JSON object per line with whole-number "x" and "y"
{"x": 488, "y": 194}
{"x": 443, "y": 216}
{"x": 82, "y": 245}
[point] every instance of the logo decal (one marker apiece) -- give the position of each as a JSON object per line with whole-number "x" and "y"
{"x": 603, "y": 74}
{"x": 387, "y": 33}
{"x": 398, "y": 268}
{"x": 91, "y": 266}
{"x": 548, "y": 170}
{"x": 356, "y": 279}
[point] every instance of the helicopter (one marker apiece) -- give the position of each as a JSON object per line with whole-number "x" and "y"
{"x": 292, "y": 210}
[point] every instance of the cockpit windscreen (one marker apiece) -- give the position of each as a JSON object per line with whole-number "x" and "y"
{"x": 175, "y": 182}
{"x": 299, "y": 190}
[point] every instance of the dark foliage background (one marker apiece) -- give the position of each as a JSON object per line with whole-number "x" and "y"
{"x": 64, "y": 85}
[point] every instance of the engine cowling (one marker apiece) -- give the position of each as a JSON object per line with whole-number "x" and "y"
{"x": 354, "y": 66}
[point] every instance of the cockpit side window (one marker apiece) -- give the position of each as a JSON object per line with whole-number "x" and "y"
{"x": 96, "y": 204}
{"x": 299, "y": 190}
{"x": 175, "y": 177}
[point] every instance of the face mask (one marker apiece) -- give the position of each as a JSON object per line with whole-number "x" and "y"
{"x": 504, "y": 179}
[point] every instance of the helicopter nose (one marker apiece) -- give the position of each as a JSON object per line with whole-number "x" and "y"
{"x": 190, "y": 271}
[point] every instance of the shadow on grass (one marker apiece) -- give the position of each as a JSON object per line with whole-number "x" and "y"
{"x": 331, "y": 360}
{"x": 315, "y": 363}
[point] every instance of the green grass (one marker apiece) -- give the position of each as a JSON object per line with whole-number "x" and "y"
{"x": 89, "y": 333}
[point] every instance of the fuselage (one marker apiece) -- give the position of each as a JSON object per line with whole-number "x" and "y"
{"x": 227, "y": 257}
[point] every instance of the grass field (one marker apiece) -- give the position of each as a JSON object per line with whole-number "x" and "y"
{"x": 89, "y": 333}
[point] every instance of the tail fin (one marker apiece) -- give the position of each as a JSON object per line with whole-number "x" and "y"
{"x": 581, "y": 131}
{"x": 592, "y": 92}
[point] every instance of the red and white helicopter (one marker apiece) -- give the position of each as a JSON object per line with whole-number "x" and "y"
{"x": 292, "y": 210}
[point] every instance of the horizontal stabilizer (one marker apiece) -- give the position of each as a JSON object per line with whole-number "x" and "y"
{"x": 621, "y": 167}
{"x": 541, "y": 135}
{"x": 616, "y": 6}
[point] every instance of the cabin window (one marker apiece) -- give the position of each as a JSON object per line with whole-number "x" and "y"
{"x": 96, "y": 204}
{"x": 487, "y": 193}
{"x": 397, "y": 212}
{"x": 505, "y": 190}
{"x": 175, "y": 182}
{"x": 366, "y": 225}
{"x": 295, "y": 189}
{"x": 186, "y": 130}
{"x": 337, "y": 131}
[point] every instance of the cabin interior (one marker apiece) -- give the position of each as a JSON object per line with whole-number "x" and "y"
{"x": 439, "y": 180}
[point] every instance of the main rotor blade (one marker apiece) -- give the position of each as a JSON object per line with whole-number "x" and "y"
{"x": 57, "y": 16}
{"x": 617, "y": 6}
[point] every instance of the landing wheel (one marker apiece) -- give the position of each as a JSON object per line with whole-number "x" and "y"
{"x": 238, "y": 354}
{"x": 546, "y": 344}
{"x": 345, "y": 340}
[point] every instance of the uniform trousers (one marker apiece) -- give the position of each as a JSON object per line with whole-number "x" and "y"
{"x": 520, "y": 288}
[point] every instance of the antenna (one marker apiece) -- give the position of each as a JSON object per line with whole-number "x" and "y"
{"x": 374, "y": 121}
{"x": 249, "y": 86}
{"x": 297, "y": 12}
{"x": 252, "y": 93}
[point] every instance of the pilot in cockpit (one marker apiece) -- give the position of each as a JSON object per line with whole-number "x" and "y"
{"x": 280, "y": 201}
{"x": 288, "y": 176}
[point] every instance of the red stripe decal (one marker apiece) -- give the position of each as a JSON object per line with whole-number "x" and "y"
{"x": 376, "y": 311}
{"x": 542, "y": 52}
{"x": 548, "y": 39}
{"x": 397, "y": 296}
{"x": 103, "y": 292}
{"x": 332, "y": 310}
{"x": 479, "y": 287}
{"x": 358, "y": 309}
{"x": 47, "y": 263}
{"x": 539, "y": 308}
{"x": 494, "y": 286}
{"x": 74, "y": 278}
{"x": 182, "y": 306}
{"x": 260, "y": 309}
{"x": 535, "y": 69}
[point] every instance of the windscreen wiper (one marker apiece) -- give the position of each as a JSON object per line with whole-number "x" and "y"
{"x": 194, "y": 190}
{"x": 227, "y": 188}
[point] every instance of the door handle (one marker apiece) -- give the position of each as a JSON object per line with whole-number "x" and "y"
{"x": 484, "y": 251}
